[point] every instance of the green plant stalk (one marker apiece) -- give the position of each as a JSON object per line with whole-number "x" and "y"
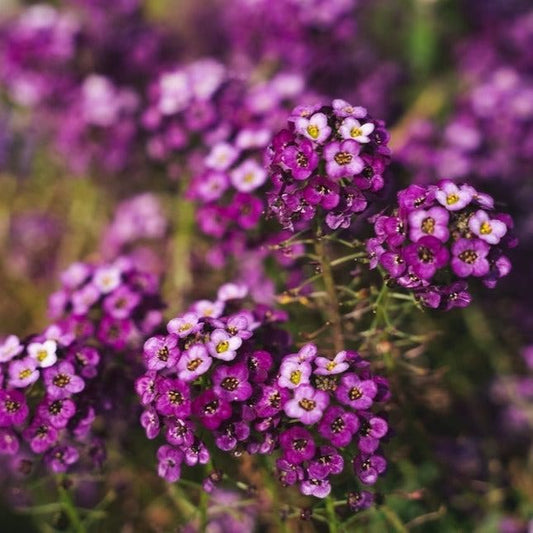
{"x": 332, "y": 306}
{"x": 70, "y": 508}
{"x": 332, "y": 516}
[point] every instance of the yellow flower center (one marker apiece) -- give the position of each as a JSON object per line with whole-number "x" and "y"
{"x": 331, "y": 365}
{"x": 356, "y": 132}
{"x": 313, "y": 131}
{"x": 42, "y": 355}
{"x": 485, "y": 228}
{"x": 296, "y": 376}
{"x": 248, "y": 178}
{"x": 184, "y": 327}
{"x": 222, "y": 346}
{"x": 26, "y": 373}
{"x": 452, "y": 198}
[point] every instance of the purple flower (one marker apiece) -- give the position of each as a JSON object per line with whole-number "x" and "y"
{"x": 193, "y": 363}
{"x": 248, "y": 176}
{"x": 326, "y": 367}
{"x": 294, "y": 373}
{"x": 319, "y": 488}
{"x": 338, "y": 426}
{"x": 223, "y": 345}
{"x": 357, "y": 393}
{"x": 145, "y": 386}
{"x": 87, "y": 358}
{"x": 329, "y": 462}
{"x": 432, "y": 222}
{"x": 297, "y": 445}
{"x": 173, "y": 398}
{"x": 23, "y": 372}
{"x": 426, "y": 256}
{"x": 60, "y": 458}
{"x": 487, "y": 229}
{"x": 107, "y": 278}
{"x": 307, "y": 405}
{"x": 453, "y": 197}
{"x": 393, "y": 263}
{"x": 61, "y": 381}
{"x": 323, "y": 192}
{"x": 161, "y": 352}
{"x": 359, "y": 501}
{"x": 301, "y": 159}
{"x": 197, "y": 453}
{"x": 342, "y": 159}
{"x": 9, "y": 442}
{"x": 231, "y": 382}
{"x": 57, "y": 411}
{"x": 271, "y": 401}
{"x": 13, "y": 408}
{"x": 121, "y": 302}
{"x": 456, "y": 295}
{"x": 289, "y": 473}
{"x": 150, "y": 422}
{"x": 230, "y": 434}
{"x": 351, "y": 128}
{"x": 210, "y": 409}
{"x": 184, "y": 325}
{"x": 259, "y": 364}
{"x": 41, "y": 435}
{"x": 170, "y": 459}
{"x": 180, "y": 433}
{"x": 115, "y": 333}
{"x": 470, "y": 257}
{"x": 372, "y": 429}
{"x": 369, "y": 467}
{"x": 10, "y": 348}
{"x": 315, "y": 128}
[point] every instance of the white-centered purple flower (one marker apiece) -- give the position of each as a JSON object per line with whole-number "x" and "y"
{"x": 470, "y": 258}
{"x": 432, "y": 222}
{"x": 337, "y": 365}
{"x": 487, "y": 229}
{"x": 452, "y": 197}
{"x": 315, "y": 128}
{"x": 61, "y": 380}
{"x": 351, "y": 128}
{"x": 184, "y": 325}
{"x": 23, "y": 372}
{"x": 193, "y": 363}
{"x": 307, "y": 405}
{"x": 11, "y": 347}
{"x": 222, "y": 345}
{"x": 342, "y": 159}
{"x": 43, "y": 353}
{"x": 248, "y": 176}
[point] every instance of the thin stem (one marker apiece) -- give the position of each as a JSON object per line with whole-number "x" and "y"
{"x": 70, "y": 508}
{"x": 333, "y": 302}
{"x": 332, "y": 516}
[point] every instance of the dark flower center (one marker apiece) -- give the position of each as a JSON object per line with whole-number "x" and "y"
{"x": 61, "y": 380}
{"x": 12, "y": 406}
{"x": 55, "y": 407}
{"x": 322, "y": 189}
{"x": 230, "y": 383}
{"x": 468, "y": 256}
{"x": 355, "y": 393}
{"x": 211, "y": 407}
{"x": 42, "y": 432}
{"x": 325, "y": 459}
{"x": 368, "y": 172}
{"x": 163, "y": 354}
{"x": 428, "y": 225}
{"x": 343, "y": 158}
{"x": 299, "y": 444}
{"x": 364, "y": 430}
{"x": 274, "y": 399}
{"x": 325, "y": 383}
{"x": 419, "y": 201}
{"x": 175, "y": 397}
{"x": 194, "y": 364}
{"x": 338, "y": 425}
{"x": 425, "y": 254}
{"x": 302, "y": 160}
{"x": 307, "y": 404}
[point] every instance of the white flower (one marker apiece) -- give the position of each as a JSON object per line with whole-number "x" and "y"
{"x": 107, "y": 279}
{"x": 44, "y": 353}
{"x": 248, "y": 176}
{"x": 10, "y": 348}
{"x": 351, "y": 128}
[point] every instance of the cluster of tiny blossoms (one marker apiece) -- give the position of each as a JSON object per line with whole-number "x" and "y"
{"x": 214, "y": 377}
{"x": 328, "y": 163}
{"x": 439, "y": 236}
{"x": 51, "y": 384}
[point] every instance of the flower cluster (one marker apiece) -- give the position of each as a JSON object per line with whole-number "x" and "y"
{"x": 328, "y": 163}
{"x": 328, "y": 416}
{"x": 216, "y": 372}
{"x": 437, "y": 238}
{"x": 53, "y": 385}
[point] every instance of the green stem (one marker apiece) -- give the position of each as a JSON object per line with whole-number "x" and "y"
{"x": 332, "y": 308}
{"x": 70, "y": 508}
{"x": 332, "y": 516}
